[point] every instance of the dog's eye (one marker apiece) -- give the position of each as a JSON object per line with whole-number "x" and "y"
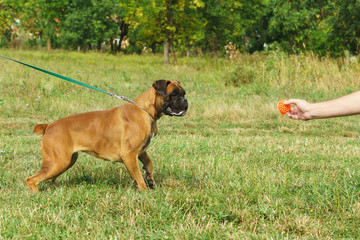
{"x": 173, "y": 94}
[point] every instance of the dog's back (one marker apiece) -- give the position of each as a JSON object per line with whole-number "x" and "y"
{"x": 40, "y": 129}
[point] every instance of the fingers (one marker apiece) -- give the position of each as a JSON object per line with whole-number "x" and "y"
{"x": 292, "y": 115}
{"x": 293, "y": 101}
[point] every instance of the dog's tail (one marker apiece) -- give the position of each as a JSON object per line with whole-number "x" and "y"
{"x": 40, "y": 129}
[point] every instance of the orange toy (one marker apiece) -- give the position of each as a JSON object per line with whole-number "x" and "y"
{"x": 283, "y": 108}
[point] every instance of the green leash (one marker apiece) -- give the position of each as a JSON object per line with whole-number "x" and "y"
{"x": 58, "y": 75}
{"x": 78, "y": 83}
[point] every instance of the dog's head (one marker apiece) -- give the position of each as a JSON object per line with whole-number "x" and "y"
{"x": 174, "y": 102}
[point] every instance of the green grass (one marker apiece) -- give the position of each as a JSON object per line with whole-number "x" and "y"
{"x": 232, "y": 168}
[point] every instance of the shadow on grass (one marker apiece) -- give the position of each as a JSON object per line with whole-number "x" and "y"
{"x": 112, "y": 175}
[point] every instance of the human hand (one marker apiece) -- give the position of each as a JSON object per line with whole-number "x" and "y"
{"x": 300, "y": 109}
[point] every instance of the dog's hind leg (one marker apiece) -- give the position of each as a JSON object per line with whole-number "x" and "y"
{"x": 73, "y": 161}
{"x": 55, "y": 162}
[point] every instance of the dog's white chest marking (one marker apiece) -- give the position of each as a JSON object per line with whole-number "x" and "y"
{"x": 152, "y": 136}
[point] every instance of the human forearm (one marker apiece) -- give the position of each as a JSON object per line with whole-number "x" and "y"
{"x": 343, "y": 106}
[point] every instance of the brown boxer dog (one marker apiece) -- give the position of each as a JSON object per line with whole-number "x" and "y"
{"x": 120, "y": 134}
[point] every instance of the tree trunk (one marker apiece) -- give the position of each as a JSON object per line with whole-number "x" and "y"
{"x": 216, "y": 55}
{"x": 118, "y": 47}
{"x": 170, "y": 33}
{"x": 188, "y": 50}
{"x": 112, "y": 45}
{"x": 48, "y": 44}
{"x": 216, "y": 49}
{"x": 85, "y": 47}
{"x": 98, "y": 47}
{"x": 153, "y": 48}
{"x": 124, "y": 30}
{"x": 173, "y": 52}
{"x": 166, "y": 51}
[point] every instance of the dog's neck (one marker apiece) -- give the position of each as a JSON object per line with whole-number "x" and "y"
{"x": 147, "y": 101}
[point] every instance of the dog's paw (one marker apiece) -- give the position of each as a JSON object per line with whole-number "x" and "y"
{"x": 151, "y": 184}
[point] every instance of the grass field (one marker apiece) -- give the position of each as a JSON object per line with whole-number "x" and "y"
{"x": 232, "y": 168}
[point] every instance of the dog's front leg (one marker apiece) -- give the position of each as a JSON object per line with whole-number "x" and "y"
{"x": 132, "y": 165}
{"x": 148, "y": 166}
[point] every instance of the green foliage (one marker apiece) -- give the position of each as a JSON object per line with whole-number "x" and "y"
{"x": 292, "y": 23}
{"x": 89, "y": 23}
{"x": 322, "y": 27}
{"x": 177, "y": 22}
{"x": 228, "y": 21}
{"x": 319, "y": 26}
{"x": 9, "y": 9}
{"x": 42, "y": 19}
{"x": 346, "y": 27}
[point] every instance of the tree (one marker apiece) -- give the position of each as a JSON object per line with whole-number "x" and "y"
{"x": 345, "y": 34}
{"x": 9, "y": 11}
{"x": 157, "y": 25}
{"x": 293, "y": 22}
{"x": 43, "y": 18}
{"x": 319, "y": 26}
{"x": 190, "y": 30}
{"x": 229, "y": 21}
{"x": 167, "y": 22}
{"x": 88, "y": 23}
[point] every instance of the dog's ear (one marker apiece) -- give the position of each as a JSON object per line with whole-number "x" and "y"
{"x": 161, "y": 86}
